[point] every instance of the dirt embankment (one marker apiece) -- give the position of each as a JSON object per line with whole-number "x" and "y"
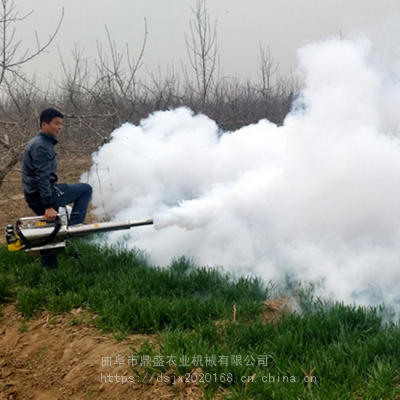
{"x": 53, "y": 358}
{"x": 50, "y": 358}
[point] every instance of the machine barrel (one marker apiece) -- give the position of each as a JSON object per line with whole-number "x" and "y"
{"x": 99, "y": 227}
{"x": 37, "y": 235}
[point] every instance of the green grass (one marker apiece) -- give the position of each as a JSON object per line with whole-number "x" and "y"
{"x": 351, "y": 357}
{"x": 128, "y": 294}
{"x": 354, "y": 355}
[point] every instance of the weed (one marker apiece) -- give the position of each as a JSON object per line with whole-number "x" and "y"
{"x": 43, "y": 351}
{"x": 24, "y": 326}
{"x": 75, "y": 321}
{"x": 120, "y": 335}
{"x": 91, "y": 393}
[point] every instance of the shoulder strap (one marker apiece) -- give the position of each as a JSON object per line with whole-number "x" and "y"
{"x": 28, "y": 244}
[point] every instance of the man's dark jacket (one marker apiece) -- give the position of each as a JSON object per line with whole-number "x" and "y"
{"x": 39, "y": 166}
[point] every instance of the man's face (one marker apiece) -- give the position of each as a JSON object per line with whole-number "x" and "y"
{"x": 54, "y": 127}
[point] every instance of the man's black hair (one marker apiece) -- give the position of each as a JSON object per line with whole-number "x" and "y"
{"x": 49, "y": 114}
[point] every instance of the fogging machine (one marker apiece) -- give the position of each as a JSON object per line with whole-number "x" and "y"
{"x": 39, "y": 237}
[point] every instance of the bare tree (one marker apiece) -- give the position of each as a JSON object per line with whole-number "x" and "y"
{"x": 267, "y": 86}
{"x": 117, "y": 80}
{"x": 164, "y": 91}
{"x": 81, "y": 104}
{"x": 203, "y": 55}
{"x": 273, "y": 89}
{"x": 18, "y": 96}
{"x": 97, "y": 97}
{"x": 11, "y": 59}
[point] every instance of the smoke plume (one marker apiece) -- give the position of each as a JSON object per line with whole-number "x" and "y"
{"x": 317, "y": 199}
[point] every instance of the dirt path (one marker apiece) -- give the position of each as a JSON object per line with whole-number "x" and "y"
{"x": 51, "y": 359}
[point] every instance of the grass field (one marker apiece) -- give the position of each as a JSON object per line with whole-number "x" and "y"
{"x": 208, "y": 319}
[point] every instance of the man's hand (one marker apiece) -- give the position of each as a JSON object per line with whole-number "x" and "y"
{"x": 51, "y": 214}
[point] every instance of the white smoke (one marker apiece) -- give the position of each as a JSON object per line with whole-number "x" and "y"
{"x": 317, "y": 199}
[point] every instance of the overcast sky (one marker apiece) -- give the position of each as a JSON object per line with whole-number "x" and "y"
{"x": 283, "y": 26}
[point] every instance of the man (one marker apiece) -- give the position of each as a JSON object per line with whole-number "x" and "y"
{"x": 39, "y": 177}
